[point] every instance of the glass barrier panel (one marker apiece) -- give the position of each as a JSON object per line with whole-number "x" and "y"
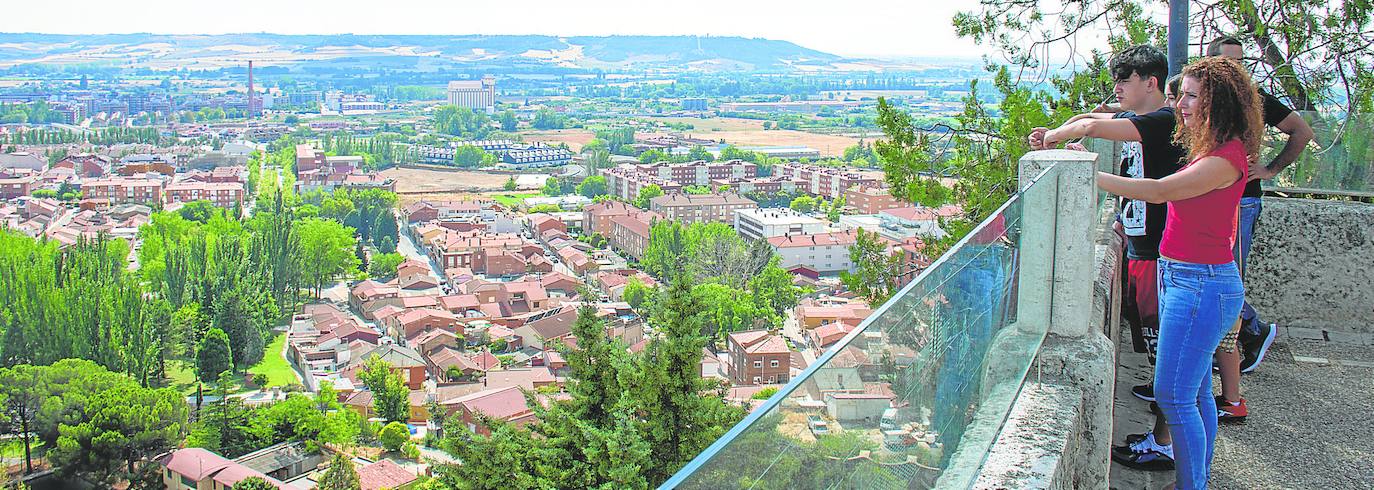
{"x": 912, "y": 398}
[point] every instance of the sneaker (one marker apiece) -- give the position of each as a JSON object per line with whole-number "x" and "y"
{"x": 1145, "y": 454}
{"x": 1228, "y": 412}
{"x": 1144, "y": 392}
{"x": 1253, "y": 350}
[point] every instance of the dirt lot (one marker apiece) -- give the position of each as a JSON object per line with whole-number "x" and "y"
{"x": 414, "y": 184}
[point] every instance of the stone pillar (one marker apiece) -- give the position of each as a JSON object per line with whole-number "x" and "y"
{"x": 1059, "y": 216}
{"x": 1058, "y": 275}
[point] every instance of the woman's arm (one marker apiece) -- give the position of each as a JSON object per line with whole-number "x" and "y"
{"x": 1199, "y": 178}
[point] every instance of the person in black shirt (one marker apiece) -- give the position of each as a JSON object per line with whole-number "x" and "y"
{"x": 1255, "y": 335}
{"x": 1145, "y": 126}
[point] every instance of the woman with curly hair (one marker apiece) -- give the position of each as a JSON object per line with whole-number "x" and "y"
{"x": 1200, "y": 291}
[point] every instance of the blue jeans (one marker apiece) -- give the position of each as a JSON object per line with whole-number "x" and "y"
{"x": 1250, "y": 208}
{"x": 976, "y": 298}
{"x": 1197, "y": 305}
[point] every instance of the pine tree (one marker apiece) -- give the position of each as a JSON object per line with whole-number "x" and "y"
{"x": 340, "y": 476}
{"x": 213, "y": 356}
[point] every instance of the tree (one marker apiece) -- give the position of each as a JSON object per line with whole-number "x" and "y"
{"x": 213, "y": 355}
{"x": 773, "y": 289}
{"x": 653, "y": 156}
{"x": 836, "y": 206}
{"x": 592, "y": 187}
{"x": 510, "y": 184}
{"x": 680, "y": 422}
{"x": 22, "y": 391}
{"x": 698, "y": 153}
{"x": 698, "y": 189}
{"x": 803, "y": 204}
{"x": 875, "y": 268}
{"x": 1306, "y": 50}
{"x": 636, "y": 293}
{"x": 547, "y": 119}
{"x": 384, "y": 265}
{"x": 647, "y": 193}
{"x": 340, "y": 476}
{"x": 393, "y": 436}
{"x": 508, "y": 121}
{"x": 553, "y": 187}
{"x": 98, "y": 423}
{"x": 468, "y": 156}
{"x": 199, "y": 210}
{"x": 387, "y": 246}
{"x": 253, "y": 483}
{"x": 725, "y": 309}
{"x": 328, "y": 245}
{"x": 390, "y": 396}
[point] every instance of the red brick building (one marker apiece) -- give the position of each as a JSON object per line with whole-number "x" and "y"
{"x": 758, "y": 357}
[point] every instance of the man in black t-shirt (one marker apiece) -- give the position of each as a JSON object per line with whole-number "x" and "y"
{"x": 1145, "y": 127}
{"x": 1255, "y": 335}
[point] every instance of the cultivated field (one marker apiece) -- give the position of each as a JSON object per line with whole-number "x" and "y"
{"x": 738, "y": 132}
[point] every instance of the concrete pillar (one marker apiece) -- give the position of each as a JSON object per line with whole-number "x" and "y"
{"x": 1058, "y": 219}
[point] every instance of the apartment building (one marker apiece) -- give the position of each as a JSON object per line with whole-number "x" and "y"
{"x": 871, "y": 199}
{"x": 825, "y": 253}
{"x": 626, "y": 180}
{"x": 700, "y": 208}
{"x": 103, "y": 193}
{"x": 827, "y": 182}
{"x": 221, "y": 194}
{"x": 758, "y": 357}
{"x": 761, "y": 223}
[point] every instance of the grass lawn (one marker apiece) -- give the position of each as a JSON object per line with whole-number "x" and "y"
{"x": 512, "y": 199}
{"x": 278, "y": 371}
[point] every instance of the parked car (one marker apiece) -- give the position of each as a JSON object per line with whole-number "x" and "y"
{"x": 818, "y": 425}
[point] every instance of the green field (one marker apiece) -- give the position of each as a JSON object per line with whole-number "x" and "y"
{"x": 278, "y": 371}
{"x": 514, "y": 199}
{"x": 182, "y": 374}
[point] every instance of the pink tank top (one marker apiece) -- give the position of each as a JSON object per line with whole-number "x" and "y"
{"x": 1202, "y": 229}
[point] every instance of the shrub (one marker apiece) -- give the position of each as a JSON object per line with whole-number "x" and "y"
{"x": 393, "y": 436}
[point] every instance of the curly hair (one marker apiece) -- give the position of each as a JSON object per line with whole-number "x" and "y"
{"x": 1228, "y": 107}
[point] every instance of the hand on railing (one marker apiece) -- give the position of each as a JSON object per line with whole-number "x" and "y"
{"x": 1036, "y": 139}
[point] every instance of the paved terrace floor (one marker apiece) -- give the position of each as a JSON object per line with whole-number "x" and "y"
{"x": 1311, "y": 422}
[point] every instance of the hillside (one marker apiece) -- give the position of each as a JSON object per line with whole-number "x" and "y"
{"x": 413, "y": 53}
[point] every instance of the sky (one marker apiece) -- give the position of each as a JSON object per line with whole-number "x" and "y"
{"x": 854, "y": 28}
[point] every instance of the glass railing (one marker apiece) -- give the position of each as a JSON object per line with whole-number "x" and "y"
{"x": 1339, "y": 160}
{"x": 915, "y": 396}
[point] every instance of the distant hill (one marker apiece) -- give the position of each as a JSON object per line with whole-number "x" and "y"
{"x": 415, "y": 53}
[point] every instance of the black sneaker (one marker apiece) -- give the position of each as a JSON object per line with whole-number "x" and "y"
{"x": 1144, "y": 392}
{"x": 1144, "y": 454}
{"x": 1254, "y": 349}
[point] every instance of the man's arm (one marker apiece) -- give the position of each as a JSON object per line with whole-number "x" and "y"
{"x": 1107, "y": 129}
{"x": 1299, "y": 134}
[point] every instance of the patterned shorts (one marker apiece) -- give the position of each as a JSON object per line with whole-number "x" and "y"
{"x": 1228, "y": 343}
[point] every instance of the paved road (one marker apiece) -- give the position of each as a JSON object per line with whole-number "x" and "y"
{"x": 1309, "y": 426}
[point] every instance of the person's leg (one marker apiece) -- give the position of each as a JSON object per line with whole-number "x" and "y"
{"x": 1228, "y": 362}
{"x": 1250, "y": 208}
{"x": 1191, "y": 327}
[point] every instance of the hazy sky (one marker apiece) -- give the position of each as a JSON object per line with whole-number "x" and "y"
{"x": 890, "y": 28}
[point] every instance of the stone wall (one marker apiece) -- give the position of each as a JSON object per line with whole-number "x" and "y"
{"x": 1312, "y": 265}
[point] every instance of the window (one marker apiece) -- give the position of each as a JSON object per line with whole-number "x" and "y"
{"x": 186, "y": 480}
{"x": 773, "y": 363}
{"x": 758, "y": 364}
{"x": 756, "y": 380}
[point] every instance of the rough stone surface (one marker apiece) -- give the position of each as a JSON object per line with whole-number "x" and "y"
{"x": 1045, "y": 422}
{"x": 1310, "y": 265}
{"x": 1309, "y": 423}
